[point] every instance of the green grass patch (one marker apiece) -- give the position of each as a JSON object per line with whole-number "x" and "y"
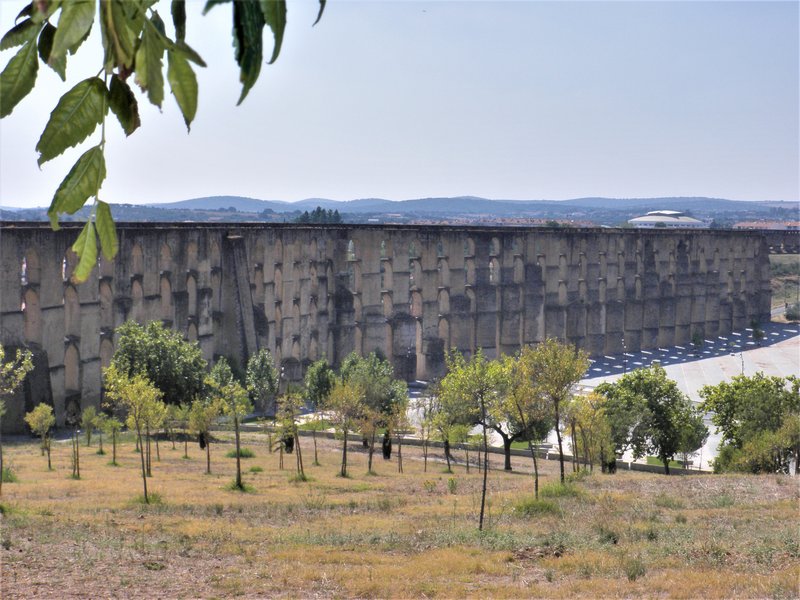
{"x": 256, "y": 469}
{"x": 531, "y": 507}
{"x": 667, "y": 501}
{"x": 243, "y": 453}
{"x": 154, "y": 498}
{"x": 657, "y": 462}
{"x": 245, "y": 487}
{"x": 320, "y": 425}
{"x": 9, "y": 476}
{"x": 558, "y": 490}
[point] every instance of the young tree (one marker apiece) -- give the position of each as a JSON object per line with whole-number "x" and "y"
{"x": 558, "y": 367}
{"x": 748, "y": 408}
{"x": 428, "y": 410}
{"x": 592, "y": 441}
{"x": 262, "y": 380}
{"x": 318, "y": 384}
{"x": 136, "y": 395}
{"x": 173, "y": 365}
{"x": 653, "y": 412}
{"x": 346, "y": 403}
{"x": 41, "y": 420}
{"x": 100, "y": 425}
{"x": 382, "y": 393}
{"x": 87, "y": 422}
{"x": 473, "y": 383}
{"x": 112, "y": 426}
{"x": 203, "y": 413}
{"x": 233, "y": 401}
{"x": 12, "y": 374}
{"x": 289, "y": 409}
{"x": 524, "y": 402}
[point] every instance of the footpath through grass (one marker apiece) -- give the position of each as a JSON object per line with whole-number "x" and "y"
{"x": 392, "y": 535}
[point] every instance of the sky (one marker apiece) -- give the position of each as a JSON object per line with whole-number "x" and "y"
{"x": 507, "y": 100}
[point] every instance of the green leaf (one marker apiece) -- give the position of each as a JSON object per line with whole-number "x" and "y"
{"x": 74, "y": 118}
{"x": 189, "y": 53}
{"x": 74, "y": 48}
{"x": 41, "y": 10}
{"x": 212, "y": 3}
{"x": 25, "y": 12}
{"x": 106, "y": 230}
{"x": 248, "y": 25}
{"x": 321, "y": 10}
{"x": 86, "y": 249}
{"x": 81, "y": 183}
{"x": 275, "y": 16}
{"x": 19, "y": 34}
{"x": 75, "y": 21}
{"x": 178, "y": 9}
{"x": 45, "y": 49}
{"x": 18, "y": 78}
{"x": 149, "y": 66}
{"x": 121, "y": 23}
{"x": 183, "y": 83}
{"x": 123, "y": 104}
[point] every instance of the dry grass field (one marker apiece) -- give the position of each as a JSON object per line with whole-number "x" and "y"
{"x": 385, "y": 535}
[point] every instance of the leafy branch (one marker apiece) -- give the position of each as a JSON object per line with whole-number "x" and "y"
{"x": 135, "y": 40}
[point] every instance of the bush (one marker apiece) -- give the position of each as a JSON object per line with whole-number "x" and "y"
{"x": 9, "y": 476}
{"x": 243, "y": 453}
{"x": 793, "y": 312}
{"x": 634, "y": 568}
{"x": 256, "y": 469}
{"x": 529, "y": 507}
{"x": 559, "y": 490}
{"x": 665, "y": 501}
{"x": 452, "y": 485}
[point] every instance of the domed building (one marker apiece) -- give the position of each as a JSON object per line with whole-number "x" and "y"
{"x": 671, "y": 219}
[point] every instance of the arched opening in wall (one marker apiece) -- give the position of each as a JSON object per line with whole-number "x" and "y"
{"x": 469, "y": 248}
{"x": 72, "y": 363}
{"x": 638, "y": 284}
{"x": 383, "y": 276}
{"x": 278, "y": 279}
{"x": 215, "y": 256}
{"x": 562, "y": 267}
{"x": 72, "y": 312}
{"x": 444, "y": 332}
{"x": 313, "y": 252}
{"x": 413, "y": 252}
{"x": 383, "y": 248}
{"x": 106, "y": 352}
{"x": 68, "y": 265}
{"x": 30, "y": 270}
{"x": 278, "y": 322}
{"x": 440, "y": 249}
{"x": 730, "y": 282}
{"x": 191, "y": 295}
{"x": 351, "y": 250}
{"x": 137, "y": 301}
{"x": 257, "y": 254}
{"x": 358, "y": 340}
{"x": 444, "y": 273}
{"x": 494, "y": 247}
{"x": 191, "y": 332}
{"x": 191, "y": 255}
{"x": 165, "y": 258}
{"x": 296, "y": 317}
{"x": 313, "y": 349}
{"x": 106, "y": 305}
{"x": 313, "y": 278}
{"x": 137, "y": 260}
{"x": 494, "y": 271}
{"x": 388, "y": 304}
{"x": 258, "y": 283}
{"x": 106, "y": 270}
{"x": 473, "y": 307}
{"x": 516, "y": 246}
{"x": 519, "y": 270}
{"x": 444, "y": 302}
{"x": 469, "y": 272}
{"x": 716, "y": 259}
{"x": 32, "y": 316}
{"x": 414, "y": 274}
{"x": 415, "y": 307}
{"x": 296, "y": 350}
{"x": 167, "y": 311}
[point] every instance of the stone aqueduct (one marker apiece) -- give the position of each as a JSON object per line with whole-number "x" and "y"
{"x": 306, "y": 292}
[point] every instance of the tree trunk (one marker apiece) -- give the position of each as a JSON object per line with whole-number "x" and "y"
{"x": 424, "y": 456}
{"x": 1, "y": 467}
{"x": 158, "y": 450}
{"x": 535, "y": 471}
{"x": 485, "y": 463}
{"x": 114, "y": 447}
{"x": 506, "y": 451}
{"x": 300, "y": 469}
{"x": 314, "y": 437}
{"x": 238, "y": 454}
{"x": 344, "y": 455}
{"x": 574, "y": 446}
{"x": 49, "y": 464}
{"x": 666, "y": 465}
{"x": 371, "y": 451}
{"x": 447, "y": 455}
{"x": 208, "y": 455}
{"x": 101, "y": 451}
{"x": 185, "y": 444}
{"x": 466, "y": 455}
{"x": 147, "y": 451}
{"x": 560, "y": 447}
{"x": 144, "y": 471}
{"x": 399, "y": 454}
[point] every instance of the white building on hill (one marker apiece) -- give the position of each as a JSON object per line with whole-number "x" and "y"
{"x": 671, "y": 219}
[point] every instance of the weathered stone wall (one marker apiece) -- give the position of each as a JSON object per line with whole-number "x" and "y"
{"x": 306, "y": 292}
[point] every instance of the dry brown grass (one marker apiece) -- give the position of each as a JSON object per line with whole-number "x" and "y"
{"x": 389, "y": 535}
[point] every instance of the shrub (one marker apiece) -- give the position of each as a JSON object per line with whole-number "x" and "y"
{"x": 452, "y": 485}
{"x": 245, "y": 488}
{"x": 559, "y": 490}
{"x": 243, "y": 453}
{"x": 665, "y": 501}
{"x": 607, "y": 535}
{"x": 154, "y": 497}
{"x": 529, "y": 507}
{"x": 793, "y": 312}
{"x": 256, "y": 469}
{"x": 9, "y": 476}
{"x": 681, "y": 519}
{"x": 634, "y": 568}
{"x": 429, "y": 485}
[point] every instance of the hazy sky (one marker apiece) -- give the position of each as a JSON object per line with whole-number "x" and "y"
{"x": 401, "y": 99}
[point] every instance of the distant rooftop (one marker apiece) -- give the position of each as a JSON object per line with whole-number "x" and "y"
{"x": 672, "y": 219}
